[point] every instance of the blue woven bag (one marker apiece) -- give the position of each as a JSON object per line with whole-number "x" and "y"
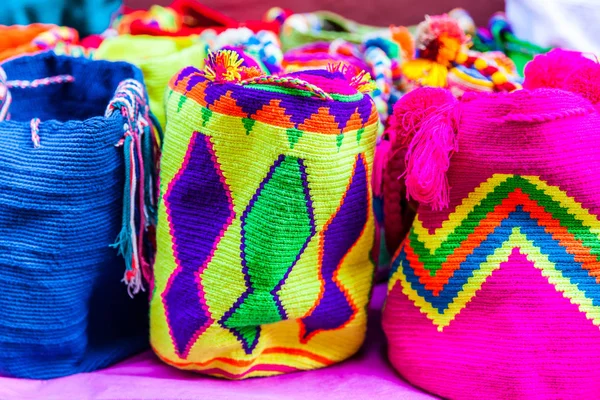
{"x": 76, "y": 171}
{"x": 87, "y": 16}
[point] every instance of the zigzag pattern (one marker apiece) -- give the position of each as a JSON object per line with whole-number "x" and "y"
{"x": 354, "y": 112}
{"x": 441, "y": 272}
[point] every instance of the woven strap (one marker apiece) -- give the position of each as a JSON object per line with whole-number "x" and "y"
{"x": 6, "y": 98}
{"x": 40, "y": 82}
{"x": 140, "y": 194}
{"x": 292, "y": 83}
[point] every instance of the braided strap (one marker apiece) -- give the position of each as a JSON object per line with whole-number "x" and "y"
{"x": 501, "y": 80}
{"x": 293, "y": 83}
{"x": 140, "y": 196}
{"x": 41, "y": 82}
{"x": 5, "y": 98}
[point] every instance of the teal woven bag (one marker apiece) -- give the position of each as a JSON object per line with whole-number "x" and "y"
{"x": 87, "y": 16}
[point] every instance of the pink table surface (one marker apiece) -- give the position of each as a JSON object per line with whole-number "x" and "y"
{"x": 367, "y": 375}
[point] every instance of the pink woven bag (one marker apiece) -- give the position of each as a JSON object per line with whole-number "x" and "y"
{"x": 495, "y": 291}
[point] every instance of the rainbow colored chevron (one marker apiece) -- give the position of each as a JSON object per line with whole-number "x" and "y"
{"x": 442, "y": 272}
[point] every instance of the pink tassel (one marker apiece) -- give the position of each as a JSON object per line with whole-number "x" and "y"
{"x": 428, "y": 158}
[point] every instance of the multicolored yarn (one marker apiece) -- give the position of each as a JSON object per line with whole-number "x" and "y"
{"x": 499, "y": 36}
{"x": 139, "y": 202}
{"x": 319, "y": 55}
{"x": 5, "y": 97}
{"x": 35, "y": 132}
{"x": 382, "y": 56}
{"x": 30, "y": 39}
{"x": 378, "y": 56}
{"x": 64, "y": 310}
{"x": 499, "y": 287}
{"x": 228, "y": 66}
{"x": 60, "y": 34}
{"x": 263, "y": 253}
{"x": 263, "y": 46}
{"x": 63, "y": 49}
{"x": 40, "y": 82}
{"x": 438, "y": 42}
{"x": 358, "y": 79}
{"x": 159, "y": 58}
{"x": 442, "y": 60}
{"x": 483, "y": 72}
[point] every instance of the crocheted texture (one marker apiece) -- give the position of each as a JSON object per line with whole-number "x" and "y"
{"x": 64, "y": 310}
{"x": 499, "y": 290}
{"x": 159, "y": 58}
{"x": 265, "y": 224}
{"x": 377, "y": 55}
{"x": 321, "y": 26}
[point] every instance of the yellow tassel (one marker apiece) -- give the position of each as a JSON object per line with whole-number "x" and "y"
{"x": 225, "y": 66}
{"x": 358, "y": 79}
{"x": 425, "y": 72}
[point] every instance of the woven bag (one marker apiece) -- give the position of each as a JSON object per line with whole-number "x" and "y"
{"x": 159, "y": 58}
{"x": 265, "y": 221}
{"x": 319, "y": 26}
{"x": 187, "y": 17}
{"x": 18, "y": 40}
{"x": 377, "y": 55}
{"x": 494, "y": 293}
{"x": 72, "y": 182}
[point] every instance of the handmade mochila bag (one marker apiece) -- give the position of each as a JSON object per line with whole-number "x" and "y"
{"x": 76, "y": 189}
{"x": 185, "y": 18}
{"x": 159, "y": 58}
{"x": 265, "y": 221}
{"x": 319, "y": 26}
{"x": 494, "y": 292}
{"x": 378, "y": 56}
{"x": 17, "y": 40}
